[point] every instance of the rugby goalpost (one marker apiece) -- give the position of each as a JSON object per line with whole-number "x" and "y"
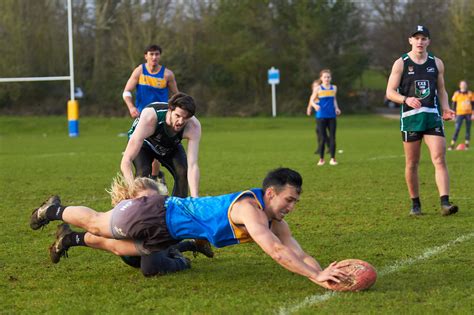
{"x": 72, "y": 104}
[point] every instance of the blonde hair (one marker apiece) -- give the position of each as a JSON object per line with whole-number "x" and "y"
{"x": 121, "y": 190}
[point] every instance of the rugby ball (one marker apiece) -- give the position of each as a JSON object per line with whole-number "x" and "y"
{"x": 362, "y": 276}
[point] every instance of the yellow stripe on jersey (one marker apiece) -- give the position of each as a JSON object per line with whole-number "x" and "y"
{"x": 240, "y": 234}
{"x": 326, "y": 93}
{"x": 152, "y": 81}
{"x": 463, "y": 102}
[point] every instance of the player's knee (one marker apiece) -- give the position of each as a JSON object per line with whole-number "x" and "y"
{"x": 412, "y": 165}
{"x": 439, "y": 160}
{"x": 94, "y": 224}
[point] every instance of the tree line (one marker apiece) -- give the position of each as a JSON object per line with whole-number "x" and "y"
{"x": 220, "y": 50}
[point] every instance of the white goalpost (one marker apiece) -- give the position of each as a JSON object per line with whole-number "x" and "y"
{"x": 72, "y": 105}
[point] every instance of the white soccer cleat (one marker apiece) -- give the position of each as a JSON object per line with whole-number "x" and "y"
{"x": 333, "y": 162}
{"x": 321, "y": 162}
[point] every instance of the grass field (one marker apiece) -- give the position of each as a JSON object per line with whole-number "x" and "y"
{"x": 358, "y": 209}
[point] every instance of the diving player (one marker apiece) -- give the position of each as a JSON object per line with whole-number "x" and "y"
{"x": 153, "y": 222}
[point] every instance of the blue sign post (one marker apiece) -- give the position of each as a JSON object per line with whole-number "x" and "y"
{"x": 273, "y": 79}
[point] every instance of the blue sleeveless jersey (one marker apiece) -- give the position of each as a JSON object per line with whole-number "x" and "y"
{"x": 151, "y": 88}
{"x": 208, "y": 218}
{"x": 326, "y": 102}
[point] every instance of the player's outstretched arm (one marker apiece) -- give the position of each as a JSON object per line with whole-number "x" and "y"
{"x": 256, "y": 224}
{"x": 282, "y": 231}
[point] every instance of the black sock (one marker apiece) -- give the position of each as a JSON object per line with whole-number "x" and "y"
{"x": 55, "y": 212}
{"x": 416, "y": 202}
{"x": 444, "y": 200}
{"x": 74, "y": 239}
{"x": 186, "y": 246}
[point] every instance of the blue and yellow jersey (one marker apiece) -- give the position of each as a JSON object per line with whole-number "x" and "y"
{"x": 151, "y": 88}
{"x": 208, "y": 218}
{"x": 463, "y": 102}
{"x": 326, "y": 98}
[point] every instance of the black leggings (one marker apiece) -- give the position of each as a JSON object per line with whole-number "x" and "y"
{"x": 324, "y": 124}
{"x": 165, "y": 261}
{"x": 175, "y": 162}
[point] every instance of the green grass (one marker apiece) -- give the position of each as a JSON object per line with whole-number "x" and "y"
{"x": 355, "y": 210}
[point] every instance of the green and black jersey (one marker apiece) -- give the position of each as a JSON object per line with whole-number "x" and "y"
{"x": 420, "y": 81}
{"x": 161, "y": 141}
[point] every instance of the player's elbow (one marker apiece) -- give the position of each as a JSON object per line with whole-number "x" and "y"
{"x": 277, "y": 253}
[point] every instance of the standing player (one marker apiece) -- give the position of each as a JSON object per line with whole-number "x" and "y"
{"x": 417, "y": 83}
{"x": 462, "y": 104}
{"x": 153, "y": 83}
{"x": 324, "y": 102}
{"x": 153, "y": 222}
{"x": 157, "y": 134}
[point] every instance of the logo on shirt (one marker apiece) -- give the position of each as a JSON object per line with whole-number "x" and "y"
{"x": 411, "y": 70}
{"x": 124, "y": 206}
{"x": 430, "y": 69}
{"x": 422, "y": 88}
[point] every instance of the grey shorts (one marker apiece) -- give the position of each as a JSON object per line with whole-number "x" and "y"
{"x": 142, "y": 220}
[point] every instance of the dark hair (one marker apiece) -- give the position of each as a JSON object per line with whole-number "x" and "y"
{"x": 280, "y": 177}
{"x": 152, "y": 48}
{"x": 182, "y": 101}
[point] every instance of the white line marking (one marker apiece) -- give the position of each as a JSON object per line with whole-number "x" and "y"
{"x": 430, "y": 252}
{"x": 385, "y": 157}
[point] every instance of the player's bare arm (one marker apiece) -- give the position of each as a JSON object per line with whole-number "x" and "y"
{"x": 145, "y": 128}
{"x": 336, "y": 106}
{"x": 246, "y": 212}
{"x": 127, "y": 91}
{"x": 394, "y": 83}
{"x": 283, "y": 232}
{"x": 171, "y": 82}
{"x": 192, "y": 132}
{"x": 312, "y": 100}
{"x": 448, "y": 113}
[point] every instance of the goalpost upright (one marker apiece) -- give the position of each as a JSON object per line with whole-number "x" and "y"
{"x": 72, "y": 104}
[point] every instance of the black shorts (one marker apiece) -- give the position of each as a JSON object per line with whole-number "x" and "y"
{"x": 144, "y": 221}
{"x": 412, "y": 136}
{"x": 175, "y": 162}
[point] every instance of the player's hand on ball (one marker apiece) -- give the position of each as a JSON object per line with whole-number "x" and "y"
{"x": 332, "y": 273}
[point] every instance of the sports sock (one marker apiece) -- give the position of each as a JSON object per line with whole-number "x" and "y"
{"x": 74, "y": 239}
{"x": 444, "y": 200}
{"x": 186, "y": 246}
{"x": 416, "y": 202}
{"x": 55, "y": 212}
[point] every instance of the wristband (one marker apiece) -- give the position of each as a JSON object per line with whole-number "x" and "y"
{"x": 126, "y": 93}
